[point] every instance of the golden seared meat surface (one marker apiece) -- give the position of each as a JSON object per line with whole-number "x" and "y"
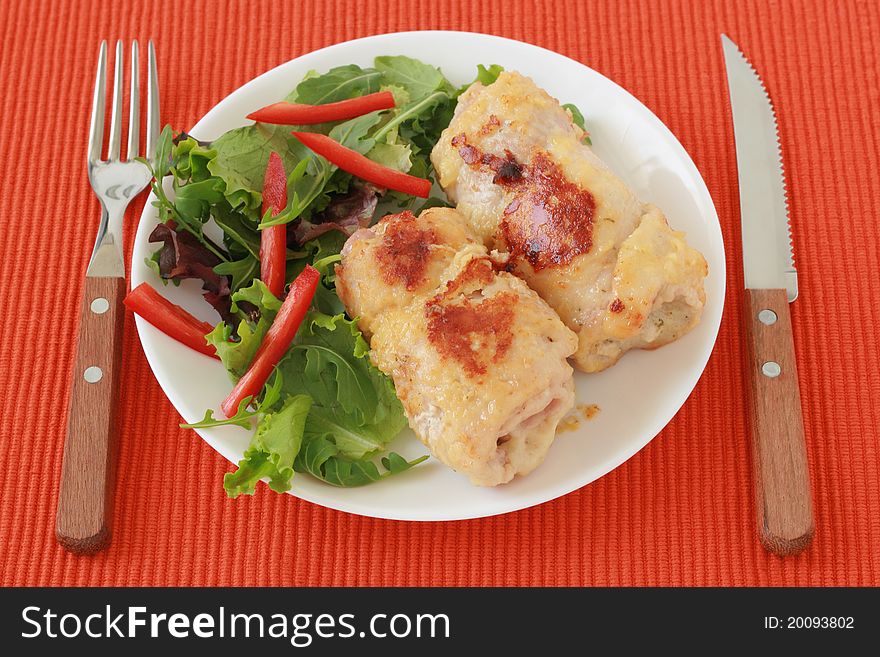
{"x": 477, "y": 358}
{"x": 518, "y": 169}
{"x": 398, "y": 258}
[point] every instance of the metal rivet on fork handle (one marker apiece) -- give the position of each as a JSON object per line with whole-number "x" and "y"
{"x": 100, "y": 305}
{"x": 93, "y": 374}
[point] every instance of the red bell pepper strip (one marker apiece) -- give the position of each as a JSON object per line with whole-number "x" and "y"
{"x": 277, "y": 340}
{"x": 273, "y": 240}
{"x": 170, "y": 318}
{"x": 363, "y": 167}
{"x": 296, "y": 114}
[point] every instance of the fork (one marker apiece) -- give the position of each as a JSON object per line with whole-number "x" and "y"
{"x": 85, "y": 501}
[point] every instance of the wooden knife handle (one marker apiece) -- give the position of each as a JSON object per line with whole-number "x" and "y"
{"x": 782, "y": 480}
{"x": 85, "y": 500}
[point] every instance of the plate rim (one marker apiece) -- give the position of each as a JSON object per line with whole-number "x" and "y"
{"x": 622, "y": 455}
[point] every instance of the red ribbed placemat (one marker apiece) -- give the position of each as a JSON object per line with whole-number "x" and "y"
{"x": 679, "y": 513}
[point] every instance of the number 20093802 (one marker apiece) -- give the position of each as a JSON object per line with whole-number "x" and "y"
{"x": 809, "y": 622}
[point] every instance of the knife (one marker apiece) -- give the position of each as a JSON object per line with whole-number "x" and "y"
{"x": 782, "y": 481}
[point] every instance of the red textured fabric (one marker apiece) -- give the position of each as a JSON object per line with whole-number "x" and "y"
{"x": 679, "y": 513}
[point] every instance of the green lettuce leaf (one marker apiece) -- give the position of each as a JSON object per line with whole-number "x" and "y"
{"x": 578, "y": 119}
{"x": 320, "y": 457}
{"x": 487, "y": 76}
{"x": 241, "y": 158}
{"x": 273, "y": 449}
{"x": 401, "y": 95}
{"x": 311, "y": 183}
{"x": 353, "y": 133}
{"x": 237, "y": 229}
{"x": 237, "y": 355}
{"x": 242, "y": 271}
{"x": 161, "y": 164}
{"x": 419, "y": 79}
{"x": 260, "y": 296}
{"x": 337, "y": 84}
{"x": 393, "y": 156}
{"x": 190, "y": 159}
{"x": 271, "y": 395}
{"x": 354, "y": 403}
{"x": 194, "y": 200}
{"x": 346, "y": 411}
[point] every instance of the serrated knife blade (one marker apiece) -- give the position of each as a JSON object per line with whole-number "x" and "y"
{"x": 782, "y": 482}
{"x": 768, "y": 262}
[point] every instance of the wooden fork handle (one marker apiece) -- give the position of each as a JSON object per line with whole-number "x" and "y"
{"x": 782, "y": 481}
{"x": 85, "y": 498}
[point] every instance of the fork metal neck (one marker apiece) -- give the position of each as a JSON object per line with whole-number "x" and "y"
{"x": 107, "y": 260}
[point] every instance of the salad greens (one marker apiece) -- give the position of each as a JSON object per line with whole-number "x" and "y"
{"x": 326, "y": 411}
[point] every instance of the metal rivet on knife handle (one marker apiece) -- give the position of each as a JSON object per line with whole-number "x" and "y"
{"x": 767, "y": 317}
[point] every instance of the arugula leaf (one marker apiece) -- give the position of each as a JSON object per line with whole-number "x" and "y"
{"x": 353, "y": 133}
{"x": 412, "y": 112}
{"x": 237, "y": 228}
{"x": 578, "y": 119}
{"x": 306, "y": 185}
{"x": 273, "y": 449}
{"x": 334, "y": 365}
{"x": 337, "y": 84}
{"x": 487, "y": 76}
{"x": 320, "y": 458}
{"x": 419, "y": 79}
{"x": 161, "y": 163}
{"x": 242, "y": 271}
{"x": 242, "y": 418}
{"x": 326, "y": 245}
{"x": 355, "y": 403}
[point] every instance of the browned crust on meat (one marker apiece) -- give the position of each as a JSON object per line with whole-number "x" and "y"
{"x": 404, "y": 252}
{"x": 478, "y": 271}
{"x": 491, "y": 125}
{"x": 549, "y": 222}
{"x": 474, "y": 331}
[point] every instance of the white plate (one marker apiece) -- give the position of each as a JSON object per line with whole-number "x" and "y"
{"x": 637, "y": 397}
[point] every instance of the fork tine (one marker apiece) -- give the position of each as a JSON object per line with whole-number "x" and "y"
{"x": 134, "y": 119}
{"x": 152, "y": 104}
{"x": 116, "y": 116}
{"x": 96, "y": 127}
